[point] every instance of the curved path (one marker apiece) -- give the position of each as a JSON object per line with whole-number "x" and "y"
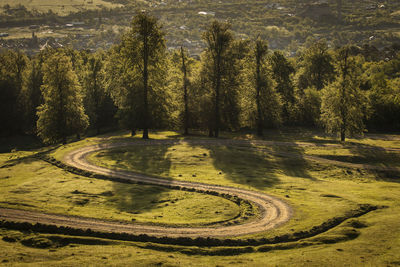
{"x": 273, "y": 211}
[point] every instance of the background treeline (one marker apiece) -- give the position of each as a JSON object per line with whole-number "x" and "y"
{"x": 138, "y": 85}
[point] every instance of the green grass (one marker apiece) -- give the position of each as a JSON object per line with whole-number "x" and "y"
{"x": 59, "y": 6}
{"x": 22, "y": 187}
{"x": 317, "y": 192}
{"x": 358, "y": 155}
{"x": 303, "y": 184}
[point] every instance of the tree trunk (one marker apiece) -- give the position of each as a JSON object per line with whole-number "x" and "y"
{"x": 217, "y": 89}
{"x": 258, "y": 84}
{"x": 145, "y": 83}
{"x": 133, "y": 132}
{"x": 343, "y": 135}
{"x": 185, "y": 94}
{"x": 343, "y": 127}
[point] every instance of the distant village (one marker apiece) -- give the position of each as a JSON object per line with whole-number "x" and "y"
{"x": 43, "y": 36}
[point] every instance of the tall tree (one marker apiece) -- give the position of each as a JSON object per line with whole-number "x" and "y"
{"x": 218, "y": 38}
{"x": 151, "y": 45}
{"x": 261, "y": 51}
{"x": 343, "y": 103}
{"x": 185, "y": 92}
{"x": 62, "y": 113}
{"x": 98, "y": 103}
{"x": 12, "y": 65}
{"x": 282, "y": 71}
{"x": 141, "y": 55}
{"x": 31, "y": 96}
{"x": 316, "y": 67}
{"x": 262, "y": 104}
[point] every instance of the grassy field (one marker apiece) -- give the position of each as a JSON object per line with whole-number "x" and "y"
{"x": 317, "y": 192}
{"x": 59, "y": 6}
{"x": 22, "y": 187}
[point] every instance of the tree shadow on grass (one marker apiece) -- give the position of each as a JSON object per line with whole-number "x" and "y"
{"x": 291, "y": 161}
{"x": 152, "y": 160}
{"x": 136, "y": 198}
{"x": 243, "y": 165}
{"x": 376, "y": 156}
{"x": 23, "y": 142}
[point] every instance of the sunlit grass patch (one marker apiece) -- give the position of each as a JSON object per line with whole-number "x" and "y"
{"x": 35, "y": 185}
{"x": 60, "y": 7}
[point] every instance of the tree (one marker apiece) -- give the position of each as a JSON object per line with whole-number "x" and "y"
{"x": 185, "y": 93}
{"x": 98, "y": 103}
{"x": 316, "y": 67}
{"x": 12, "y": 66}
{"x": 384, "y": 95}
{"x": 263, "y": 102}
{"x": 151, "y": 46}
{"x": 343, "y": 103}
{"x": 218, "y": 38}
{"x": 62, "y": 112}
{"x": 138, "y": 67}
{"x": 31, "y": 96}
{"x": 282, "y": 71}
{"x": 180, "y": 84}
{"x": 261, "y": 51}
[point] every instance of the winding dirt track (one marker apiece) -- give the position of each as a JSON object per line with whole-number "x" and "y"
{"x": 273, "y": 211}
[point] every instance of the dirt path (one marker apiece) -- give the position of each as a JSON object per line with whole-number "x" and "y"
{"x": 273, "y": 211}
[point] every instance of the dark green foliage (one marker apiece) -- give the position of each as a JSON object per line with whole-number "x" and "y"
{"x": 31, "y": 96}
{"x": 316, "y": 67}
{"x": 182, "y": 79}
{"x": 282, "y": 71}
{"x": 220, "y": 78}
{"x": 225, "y": 90}
{"x": 62, "y": 113}
{"x": 343, "y": 103}
{"x": 12, "y": 65}
{"x": 138, "y": 71}
{"x": 98, "y": 103}
{"x": 382, "y": 82}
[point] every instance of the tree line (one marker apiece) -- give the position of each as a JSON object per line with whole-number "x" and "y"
{"x": 235, "y": 84}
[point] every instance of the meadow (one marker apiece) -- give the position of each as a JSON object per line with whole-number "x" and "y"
{"x": 316, "y": 191}
{"x": 60, "y": 7}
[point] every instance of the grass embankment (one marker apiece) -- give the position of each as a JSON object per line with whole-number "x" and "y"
{"x": 316, "y": 191}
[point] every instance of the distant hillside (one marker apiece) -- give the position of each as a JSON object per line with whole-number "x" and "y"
{"x": 287, "y": 24}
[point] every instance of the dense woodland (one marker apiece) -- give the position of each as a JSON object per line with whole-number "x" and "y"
{"x": 236, "y": 84}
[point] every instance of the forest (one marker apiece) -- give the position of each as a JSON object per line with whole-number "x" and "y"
{"x": 235, "y": 84}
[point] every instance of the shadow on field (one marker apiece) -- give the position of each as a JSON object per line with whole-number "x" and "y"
{"x": 294, "y": 164}
{"x": 377, "y": 156}
{"x": 25, "y": 142}
{"x": 135, "y": 198}
{"x": 243, "y": 165}
{"x": 146, "y": 159}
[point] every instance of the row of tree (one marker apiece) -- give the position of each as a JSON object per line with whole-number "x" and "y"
{"x": 235, "y": 84}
